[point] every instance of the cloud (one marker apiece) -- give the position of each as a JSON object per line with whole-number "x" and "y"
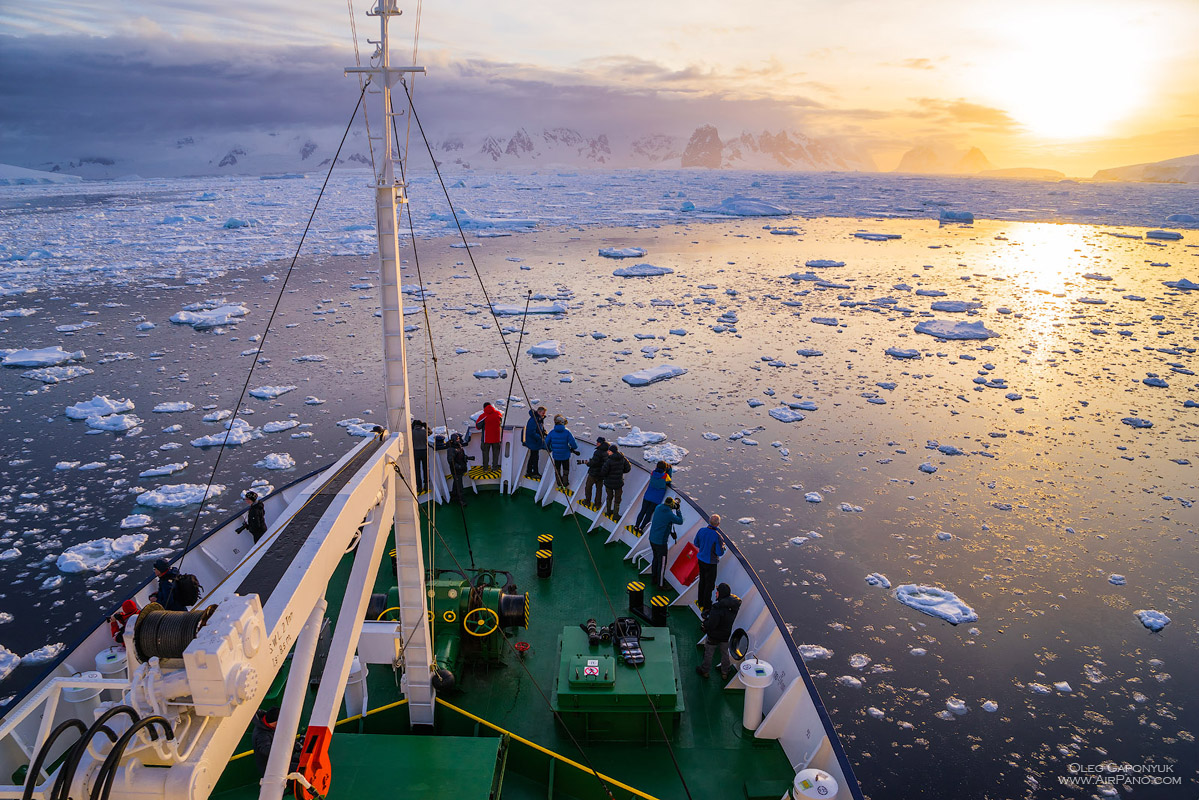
{"x": 965, "y": 113}
{"x": 917, "y": 63}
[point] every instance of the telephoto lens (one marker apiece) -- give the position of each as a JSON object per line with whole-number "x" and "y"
{"x": 593, "y": 637}
{"x": 605, "y": 634}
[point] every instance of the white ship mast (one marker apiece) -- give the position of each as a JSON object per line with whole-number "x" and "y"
{"x": 389, "y": 196}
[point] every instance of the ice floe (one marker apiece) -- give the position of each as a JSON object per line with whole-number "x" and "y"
{"x": 276, "y": 461}
{"x": 57, "y": 374}
{"x": 823, "y": 263}
{"x": 739, "y": 206}
{"x": 935, "y": 602}
{"x": 178, "y": 495}
{"x": 271, "y": 392}
{"x": 644, "y": 377}
{"x": 622, "y": 252}
{"x": 173, "y": 407}
{"x": 98, "y": 406}
{"x": 641, "y": 271}
{"x": 136, "y": 521}
{"x": 236, "y": 433}
{"x": 501, "y": 310}
{"x": 43, "y": 357}
{"x": 1153, "y": 620}
{"x": 813, "y": 497}
{"x": 114, "y": 423}
{"x": 210, "y": 314}
{"x": 551, "y": 348}
{"x": 785, "y": 414}
{"x": 954, "y": 329}
{"x": 640, "y": 438}
{"x": 670, "y": 453}
{"x": 99, "y": 554}
{"x": 165, "y": 469}
{"x": 878, "y": 579}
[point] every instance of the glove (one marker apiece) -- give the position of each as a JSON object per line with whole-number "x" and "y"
{"x": 576, "y": 452}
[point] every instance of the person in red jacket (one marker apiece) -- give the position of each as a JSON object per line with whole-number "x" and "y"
{"x": 116, "y": 623}
{"x": 489, "y": 422}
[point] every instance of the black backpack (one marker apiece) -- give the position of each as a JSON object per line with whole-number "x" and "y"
{"x": 187, "y": 590}
{"x": 256, "y": 519}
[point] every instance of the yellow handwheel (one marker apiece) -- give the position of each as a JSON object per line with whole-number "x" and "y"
{"x": 478, "y": 623}
{"x": 449, "y": 616}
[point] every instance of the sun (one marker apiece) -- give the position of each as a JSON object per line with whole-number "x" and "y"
{"x": 1070, "y": 75}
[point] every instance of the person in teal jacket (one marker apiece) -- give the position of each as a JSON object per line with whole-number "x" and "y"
{"x": 661, "y": 531}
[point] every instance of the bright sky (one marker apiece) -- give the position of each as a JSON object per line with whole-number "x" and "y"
{"x": 1068, "y": 84}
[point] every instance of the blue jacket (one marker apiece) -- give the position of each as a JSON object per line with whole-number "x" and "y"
{"x": 534, "y": 432}
{"x": 707, "y": 541}
{"x": 659, "y": 524}
{"x": 561, "y": 443}
{"x": 656, "y": 492}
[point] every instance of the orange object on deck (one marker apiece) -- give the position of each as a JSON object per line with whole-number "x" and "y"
{"x": 314, "y": 763}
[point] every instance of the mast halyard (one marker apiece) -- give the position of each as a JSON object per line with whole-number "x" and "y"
{"x": 410, "y": 567}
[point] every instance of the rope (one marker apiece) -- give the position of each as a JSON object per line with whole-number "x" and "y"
{"x": 519, "y": 342}
{"x": 262, "y": 341}
{"x": 358, "y": 62}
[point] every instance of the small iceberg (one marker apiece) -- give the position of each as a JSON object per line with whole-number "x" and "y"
{"x": 276, "y": 461}
{"x": 501, "y": 310}
{"x": 641, "y": 271}
{"x": 178, "y": 495}
{"x": 935, "y": 602}
{"x": 640, "y": 438}
{"x": 1153, "y": 620}
{"x": 271, "y": 392}
{"x": 823, "y": 263}
{"x": 785, "y": 414}
{"x": 173, "y": 408}
{"x": 878, "y": 579}
{"x": 99, "y": 554}
{"x": 670, "y": 453}
{"x": 98, "y": 406}
{"x": 622, "y": 252}
{"x": 898, "y": 352}
{"x": 956, "y": 216}
{"x": 1171, "y": 236}
{"x": 44, "y": 357}
{"x": 955, "y": 306}
{"x": 644, "y": 377}
{"x": 953, "y": 329}
{"x": 550, "y": 348}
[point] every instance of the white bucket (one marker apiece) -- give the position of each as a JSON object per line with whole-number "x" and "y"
{"x": 82, "y": 694}
{"x": 111, "y": 662}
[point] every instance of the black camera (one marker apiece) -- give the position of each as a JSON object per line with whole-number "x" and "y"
{"x": 672, "y": 502}
{"x": 593, "y": 635}
{"x": 470, "y": 458}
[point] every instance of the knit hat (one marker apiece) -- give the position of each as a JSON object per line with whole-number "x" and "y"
{"x": 162, "y": 565}
{"x": 723, "y": 590}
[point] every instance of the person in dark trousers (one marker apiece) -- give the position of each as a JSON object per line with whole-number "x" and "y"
{"x": 535, "y": 441}
{"x": 458, "y": 465}
{"x": 255, "y": 521}
{"x": 661, "y": 531}
{"x": 594, "y": 465}
{"x": 718, "y": 625}
{"x": 167, "y": 576}
{"x": 491, "y": 423}
{"x": 659, "y": 482}
{"x": 263, "y": 737}
{"x": 561, "y": 443}
{"x": 613, "y": 473}
{"x": 710, "y": 546}
{"x": 420, "y": 454}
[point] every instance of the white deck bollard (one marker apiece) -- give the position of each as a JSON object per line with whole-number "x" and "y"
{"x": 755, "y": 676}
{"x": 813, "y": 784}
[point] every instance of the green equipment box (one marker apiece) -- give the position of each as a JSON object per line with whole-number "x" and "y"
{"x": 600, "y": 698}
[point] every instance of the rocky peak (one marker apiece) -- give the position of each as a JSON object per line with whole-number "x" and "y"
{"x": 520, "y": 144}
{"x": 703, "y": 149}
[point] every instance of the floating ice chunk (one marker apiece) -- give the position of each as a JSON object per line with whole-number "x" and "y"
{"x": 877, "y": 713}
{"x": 135, "y": 521}
{"x": 178, "y": 495}
{"x": 640, "y": 438}
{"x": 1116, "y": 579}
{"x": 281, "y": 425}
{"x": 236, "y": 433}
{"x": 622, "y": 252}
{"x": 43, "y": 654}
{"x": 1062, "y": 686}
{"x": 1137, "y": 422}
{"x": 927, "y": 468}
{"x": 955, "y": 306}
{"x": 66, "y": 465}
{"x": 850, "y": 681}
{"x": 8, "y": 662}
{"x": 271, "y": 392}
{"x": 217, "y": 416}
{"x": 113, "y": 422}
{"x": 918, "y": 651}
{"x": 850, "y": 509}
{"x": 491, "y": 373}
{"x": 814, "y": 497}
{"x": 312, "y": 358}
{"x": 956, "y": 216}
{"x": 57, "y": 374}
{"x": 810, "y": 353}
{"x": 820, "y": 263}
{"x": 206, "y": 318}
{"x": 644, "y": 377}
{"x": 896, "y": 352}
{"x": 798, "y": 540}
{"x": 670, "y": 453}
{"x": 810, "y": 652}
{"x": 746, "y": 521}
{"x": 1166, "y": 235}
{"x": 10, "y": 554}
{"x": 739, "y": 206}
{"x": 956, "y": 705}
{"x": 876, "y": 237}
{"x": 551, "y": 348}
{"x": 878, "y": 579}
{"x": 711, "y": 437}
{"x": 754, "y": 402}
{"x": 785, "y": 414}
{"x": 76, "y": 327}
{"x": 944, "y": 536}
{"x": 355, "y": 426}
{"x": 1039, "y": 688}
{"x": 1185, "y": 284}
{"x": 930, "y": 293}
{"x": 517, "y": 311}
{"x": 98, "y": 406}
{"x": 990, "y": 705}
{"x": 1156, "y": 382}
{"x": 45, "y": 357}
{"x": 641, "y": 271}
{"x": 234, "y": 222}
{"x": 859, "y": 660}
{"x": 99, "y": 554}
{"x": 313, "y": 400}
{"x": 678, "y": 332}
{"x": 830, "y": 321}
{"x": 952, "y": 329}
{"x": 145, "y": 326}
{"x": 276, "y": 461}
{"x": 165, "y": 469}
{"x": 173, "y": 408}
{"x": 10, "y": 313}
{"x": 1153, "y": 620}
{"x": 935, "y": 602}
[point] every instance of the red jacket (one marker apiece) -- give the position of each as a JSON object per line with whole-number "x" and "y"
{"x": 116, "y": 623}
{"x": 489, "y": 422}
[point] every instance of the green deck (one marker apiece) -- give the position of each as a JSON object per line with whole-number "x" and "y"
{"x": 513, "y": 702}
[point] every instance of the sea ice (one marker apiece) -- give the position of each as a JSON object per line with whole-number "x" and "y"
{"x": 644, "y": 377}
{"x": 935, "y": 602}
{"x": 990, "y": 705}
{"x": 172, "y": 408}
{"x": 896, "y": 352}
{"x": 1166, "y": 235}
{"x": 98, "y": 406}
{"x": 819, "y": 263}
{"x": 551, "y": 348}
{"x": 810, "y": 652}
{"x": 955, "y": 306}
{"x": 785, "y": 414}
{"x": 1137, "y": 422}
{"x": 45, "y": 357}
{"x": 57, "y": 374}
{"x": 519, "y": 310}
{"x": 113, "y": 422}
{"x": 956, "y": 216}
{"x": 178, "y": 495}
{"x": 622, "y": 252}
{"x": 8, "y": 662}
{"x": 281, "y": 425}
{"x": 43, "y": 654}
{"x": 670, "y": 453}
{"x": 491, "y": 373}
{"x": 166, "y": 469}
{"x": 1153, "y": 620}
{"x": 271, "y": 392}
{"x": 98, "y": 554}
{"x": 210, "y": 314}
{"x": 640, "y": 438}
{"x": 236, "y": 433}
{"x": 276, "y": 461}
{"x": 135, "y": 521}
{"x": 951, "y": 329}
{"x": 641, "y": 271}
{"x": 1116, "y": 579}
{"x": 1185, "y": 284}
{"x": 814, "y": 497}
{"x": 739, "y": 206}
{"x": 878, "y": 579}
{"x": 850, "y": 681}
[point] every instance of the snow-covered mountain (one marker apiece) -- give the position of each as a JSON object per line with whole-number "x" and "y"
{"x": 272, "y": 153}
{"x": 1174, "y": 170}
{"x": 19, "y": 176}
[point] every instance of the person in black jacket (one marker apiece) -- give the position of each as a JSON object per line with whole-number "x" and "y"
{"x": 167, "y": 575}
{"x": 718, "y": 624}
{"x": 612, "y": 473}
{"x": 595, "y": 465}
{"x": 420, "y": 454}
{"x": 458, "y": 466}
{"x": 255, "y": 517}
